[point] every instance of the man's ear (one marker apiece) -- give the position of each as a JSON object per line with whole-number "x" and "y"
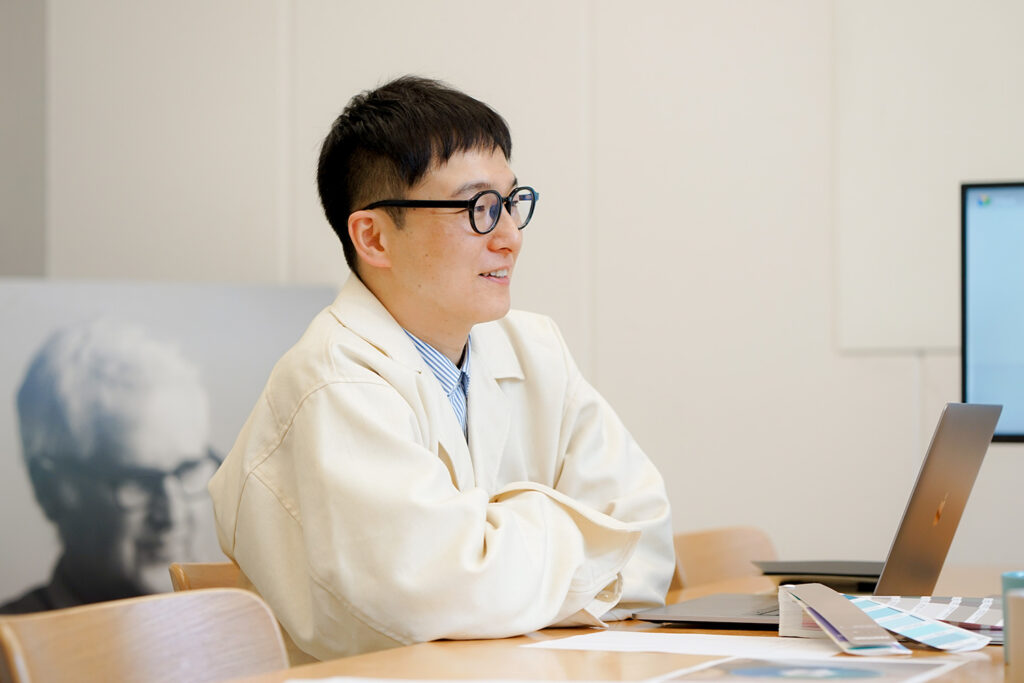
{"x": 55, "y": 494}
{"x": 366, "y": 230}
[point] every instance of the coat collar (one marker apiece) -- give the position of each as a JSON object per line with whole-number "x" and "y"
{"x": 358, "y": 309}
{"x": 493, "y": 359}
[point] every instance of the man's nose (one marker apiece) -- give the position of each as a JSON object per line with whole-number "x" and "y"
{"x": 506, "y": 234}
{"x": 168, "y": 505}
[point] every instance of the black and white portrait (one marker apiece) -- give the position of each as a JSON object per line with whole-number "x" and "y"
{"x": 116, "y": 404}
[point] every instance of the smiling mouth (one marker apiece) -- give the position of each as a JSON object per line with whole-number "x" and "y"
{"x": 502, "y": 273}
{"x": 160, "y": 547}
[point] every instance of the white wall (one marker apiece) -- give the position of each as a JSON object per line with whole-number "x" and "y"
{"x": 709, "y": 234}
{"x": 163, "y": 139}
{"x": 22, "y": 133}
{"x": 928, "y": 97}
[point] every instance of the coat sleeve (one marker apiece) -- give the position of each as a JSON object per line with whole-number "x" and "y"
{"x": 355, "y": 534}
{"x": 605, "y": 469}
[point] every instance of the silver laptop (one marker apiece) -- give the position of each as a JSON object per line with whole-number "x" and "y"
{"x": 922, "y": 540}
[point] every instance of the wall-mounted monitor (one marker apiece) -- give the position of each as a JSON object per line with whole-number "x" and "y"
{"x": 992, "y": 300}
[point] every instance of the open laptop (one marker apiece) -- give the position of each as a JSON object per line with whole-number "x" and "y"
{"x": 919, "y": 548}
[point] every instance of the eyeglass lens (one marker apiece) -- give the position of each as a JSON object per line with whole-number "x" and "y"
{"x": 487, "y": 210}
{"x": 192, "y": 477}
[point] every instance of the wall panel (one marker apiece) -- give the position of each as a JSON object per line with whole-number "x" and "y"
{"x": 162, "y": 140}
{"x": 927, "y": 97}
{"x": 22, "y": 137}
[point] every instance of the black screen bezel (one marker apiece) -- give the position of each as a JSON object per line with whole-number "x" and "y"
{"x": 964, "y": 189}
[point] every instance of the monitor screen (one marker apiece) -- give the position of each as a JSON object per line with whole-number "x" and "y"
{"x": 992, "y": 301}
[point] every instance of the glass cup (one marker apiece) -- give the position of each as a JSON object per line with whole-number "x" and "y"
{"x": 1014, "y": 605}
{"x": 1012, "y": 581}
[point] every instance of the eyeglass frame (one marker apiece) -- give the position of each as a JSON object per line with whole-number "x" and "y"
{"x": 113, "y": 478}
{"x": 465, "y": 204}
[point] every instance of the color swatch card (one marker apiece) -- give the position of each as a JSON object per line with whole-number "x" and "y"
{"x": 971, "y": 613}
{"x": 812, "y": 611}
{"x": 931, "y": 632}
{"x": 850, "y": 628}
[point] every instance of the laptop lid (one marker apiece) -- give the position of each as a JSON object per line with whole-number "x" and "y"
{"x": 937, "y": 501}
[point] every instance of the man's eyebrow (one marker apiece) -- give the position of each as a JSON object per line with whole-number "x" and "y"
{"x": 480, "y": 186}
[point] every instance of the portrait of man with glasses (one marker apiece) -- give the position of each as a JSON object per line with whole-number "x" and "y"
{"x": 425, "y": 462}
{"x": 114, "y": 430}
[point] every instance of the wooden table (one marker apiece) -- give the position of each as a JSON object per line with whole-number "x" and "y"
{"x": 504, "y": 658}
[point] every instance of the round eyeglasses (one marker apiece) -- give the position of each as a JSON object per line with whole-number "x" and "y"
{"x": 484, "y": 207}
{"x": 134, "y": 487}
{"x": 137, "y": 487}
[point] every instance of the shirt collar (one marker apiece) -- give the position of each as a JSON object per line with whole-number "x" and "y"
{"x": 447, "y": 373}
{"x": 359, "y": 310}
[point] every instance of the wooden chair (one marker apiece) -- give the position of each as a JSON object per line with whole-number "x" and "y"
{"x": 196, "y": 636}
{"x": 718, "y": 555}
{"x": 191, "y": 575}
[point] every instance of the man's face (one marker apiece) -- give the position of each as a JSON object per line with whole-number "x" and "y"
{"x": 136, "y": 511}
{"x": 448, "y": 276}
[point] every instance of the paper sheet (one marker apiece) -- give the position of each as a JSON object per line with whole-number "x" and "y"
{"x": 693, "y": 644}
{"x": 361, "y": 679}
{"x": 878, "y": 670}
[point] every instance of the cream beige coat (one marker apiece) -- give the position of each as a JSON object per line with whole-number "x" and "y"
{"x": 355, "y": 507}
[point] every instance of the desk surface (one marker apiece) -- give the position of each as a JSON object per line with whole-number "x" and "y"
{"x": 505, "y": 659}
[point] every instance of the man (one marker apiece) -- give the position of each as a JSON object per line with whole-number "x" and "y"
{"x": 114, "y": 431}
{"x": 425, "y": 464}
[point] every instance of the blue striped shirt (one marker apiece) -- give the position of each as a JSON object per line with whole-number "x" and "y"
{"x": 454, "y": 380}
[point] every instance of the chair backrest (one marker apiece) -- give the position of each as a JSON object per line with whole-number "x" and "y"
{"x": 713, "y": 555}
{"x": 196, "y": 636}
{"x": 190, "y": 575}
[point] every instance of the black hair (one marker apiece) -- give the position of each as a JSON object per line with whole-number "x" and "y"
{"x": 387, "y": 139}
